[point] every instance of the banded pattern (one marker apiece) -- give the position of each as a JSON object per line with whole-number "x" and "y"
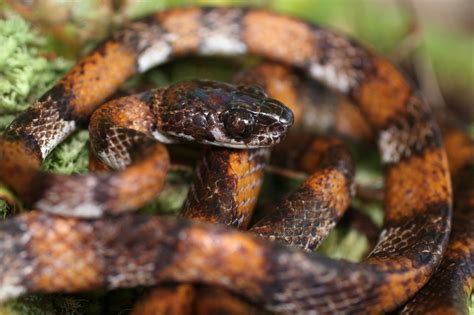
{"x": 85, "y": 195}
{"x": 124, "y": 131}
{"x": 306, "y": 217}
{"x": 226, "y": 186}
{"x": 418, "y": 183}
{"x": 449, "y": 289}
{"x": 113, "y": 255}
{"x": 227, "y": 193}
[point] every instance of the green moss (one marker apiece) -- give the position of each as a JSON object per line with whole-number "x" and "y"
{"x": 25, "y": 74}
{"x": 42, "y": 305}
{"x": 4, "y": 209}
{"x": 172, "y": 196}
{"x": 8, "y": 202}
{"x": 344, "y": 244}
{"x": 70, "y": 156}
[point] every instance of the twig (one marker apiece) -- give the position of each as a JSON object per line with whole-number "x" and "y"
{"x": 369, "y": 194}
{"x": 291, "y": 174}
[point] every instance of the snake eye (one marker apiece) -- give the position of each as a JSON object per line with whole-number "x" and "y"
{"x": 253, "y": 89}
{"x": 239, "y": 123}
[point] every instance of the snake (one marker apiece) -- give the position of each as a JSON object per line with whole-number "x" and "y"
{"x": 450, "y": 287}
{"x": 44, "y": 252}
{"x": 302, "y": 219}
{"x": 203, "y": 111}
{"x": 455, "y": 274}
{"x": 455, "y": 269}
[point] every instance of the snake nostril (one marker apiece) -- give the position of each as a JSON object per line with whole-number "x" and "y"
{"x": 286, "y": 117}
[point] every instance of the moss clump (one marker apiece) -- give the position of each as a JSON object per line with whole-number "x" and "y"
{"x": 25, "y": 71}
{"x": 70, "y": 156}
{"x": 42, "y": 305}
{"x": 345, "y": 244}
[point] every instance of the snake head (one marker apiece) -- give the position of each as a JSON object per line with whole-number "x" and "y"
{"x": 222, "y": 114}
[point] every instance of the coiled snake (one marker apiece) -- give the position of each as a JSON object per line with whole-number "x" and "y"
{"x": 43, "y": 252}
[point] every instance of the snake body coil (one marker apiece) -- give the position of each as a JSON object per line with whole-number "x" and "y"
{"x": 44, "y": 253}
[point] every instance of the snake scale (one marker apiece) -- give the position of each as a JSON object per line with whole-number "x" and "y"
{"x": 43, "y": 252}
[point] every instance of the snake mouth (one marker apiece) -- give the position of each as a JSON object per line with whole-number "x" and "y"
{"x": 268, "y": 139}
{"x": 233, "y": 145}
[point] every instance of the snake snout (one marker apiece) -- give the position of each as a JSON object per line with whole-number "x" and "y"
{"x": 286, "y": 117}
{"x": 277, "y": 116}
